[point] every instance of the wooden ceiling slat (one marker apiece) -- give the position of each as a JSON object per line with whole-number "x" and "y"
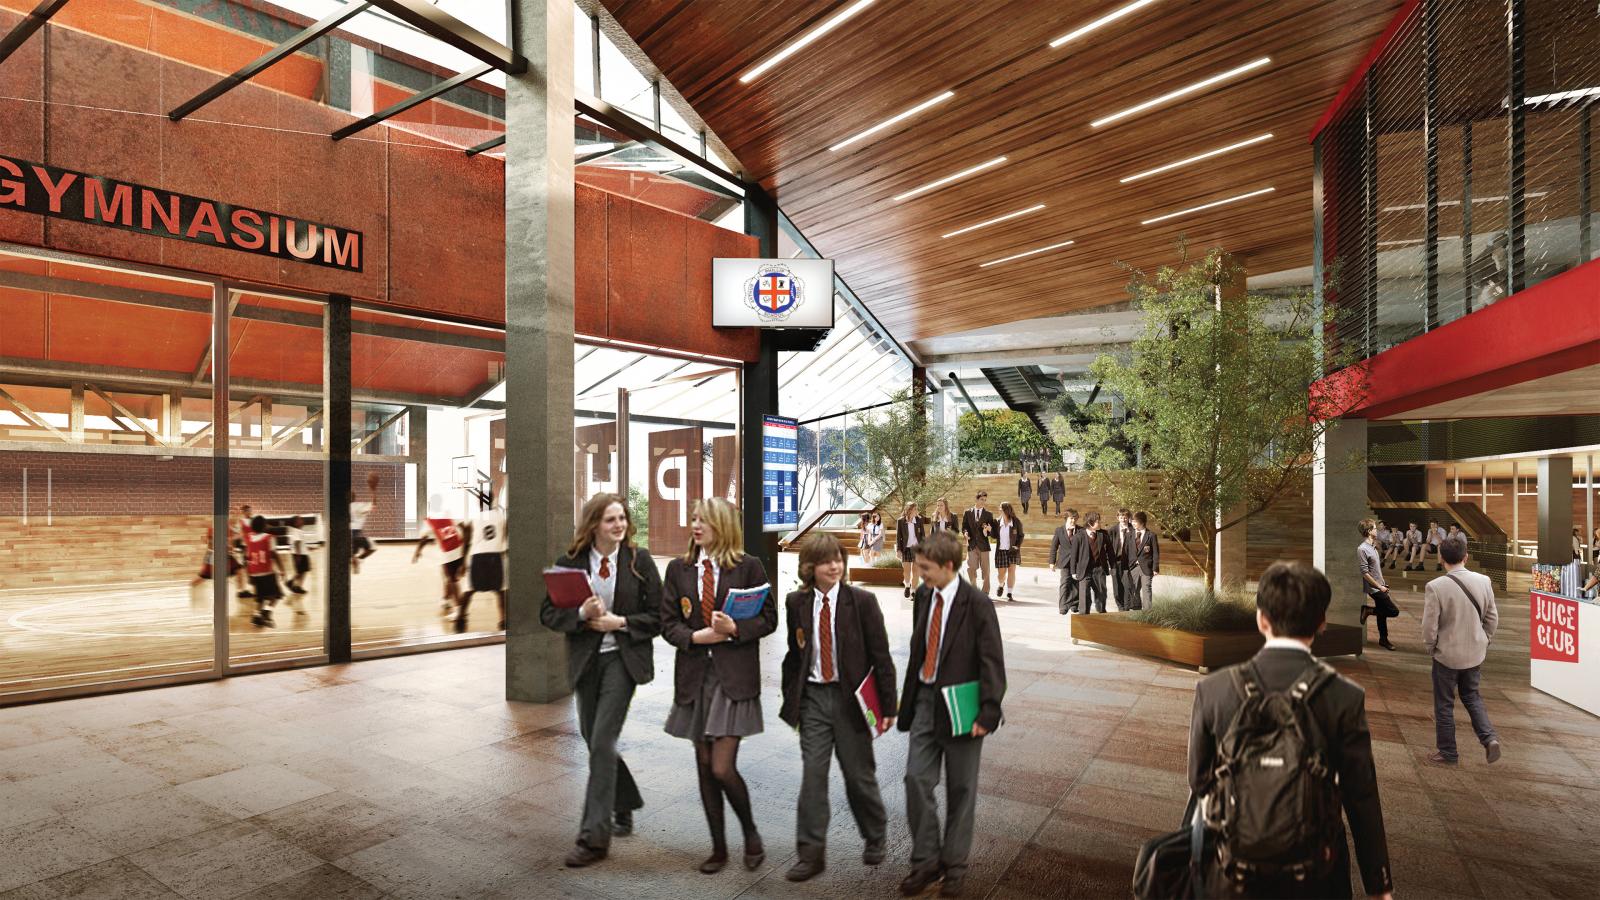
{"x": 1018, "y": 98}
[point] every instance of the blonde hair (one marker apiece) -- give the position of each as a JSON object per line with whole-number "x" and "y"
{"x": 943, "y": 504}
{"x": 905, "y": 513}
{"x": 727, "y": 534}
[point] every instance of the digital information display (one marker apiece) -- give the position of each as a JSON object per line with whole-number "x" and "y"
{"x": 780, "y": 473}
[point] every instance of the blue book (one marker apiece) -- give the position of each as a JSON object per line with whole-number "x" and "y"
{"x": 746, "y": 603}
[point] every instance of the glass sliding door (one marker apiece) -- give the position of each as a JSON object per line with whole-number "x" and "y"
{"x": 105, "y": 475}
{"x": 277, "y": 466}
{"x": 428, "y": 466}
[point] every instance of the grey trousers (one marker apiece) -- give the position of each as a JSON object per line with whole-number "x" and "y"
{"x": 826, "y": 731}
{"x": 1446, "y": 681}
{"x": 977, "y": 559}
{"x": 603, "y": 693}
{"x": 960, "y": 757}
{"x": 1139, "y": 588}
{"x": 1067, "y": 591}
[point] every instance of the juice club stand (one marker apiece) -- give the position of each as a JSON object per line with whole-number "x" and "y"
{"x": 1564, "y": 638}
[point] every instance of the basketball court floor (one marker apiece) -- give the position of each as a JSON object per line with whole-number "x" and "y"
{"x": 70, "y": 635}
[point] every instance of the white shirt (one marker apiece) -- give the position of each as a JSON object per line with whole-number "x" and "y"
{"x": 489, "y": 531}
{"x": 700, "y": 574}
{"x": 833, "y": 632}
{"x": 1275, "y": 643}
{"x": 359, "y": 510}
{"x": 297, "y": 541}
{"x": 949, "y": 594}
{"x": 1005, "y": 535}
{"x": 605, "y": 589}
{"x": 911, "y": 533}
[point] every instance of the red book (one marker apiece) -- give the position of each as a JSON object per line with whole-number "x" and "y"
{"x": 568, "y": 588}
{"x": 871, "y": 708}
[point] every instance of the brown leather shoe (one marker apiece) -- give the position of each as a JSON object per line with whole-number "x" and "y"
{"x": 584, "y": 856}
{"x": 1439, "y": 759}
{"x": 920, "y": 880}
{"x": 1491, "y": 752}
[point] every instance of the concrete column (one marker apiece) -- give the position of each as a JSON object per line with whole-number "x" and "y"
{"x": 1555, "y": 510}
{"x": 539, "y": 337}
{"x": 759, "y": 395}
{"x": 75, "y": 416}
{"x": 1338, "y": 503}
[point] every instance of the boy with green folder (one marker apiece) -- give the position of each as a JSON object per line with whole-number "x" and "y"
{"x": 955, "y": 679}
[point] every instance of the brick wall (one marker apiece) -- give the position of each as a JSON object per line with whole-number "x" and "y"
{"x": 101, "y": 485}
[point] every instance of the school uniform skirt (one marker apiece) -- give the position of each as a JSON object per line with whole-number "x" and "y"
{"x": 711, "y": 714}
{"x": 1006, "y": 558}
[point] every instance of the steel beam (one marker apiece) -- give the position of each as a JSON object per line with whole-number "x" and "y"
{"x": 617, "y": 120}
{"x": 33, "y": 418}
{"x": 441, "y": 26}
{"x": 1430, "y": 139}
{"x": 382, "y": 427}
{"x": 112, "y": 401}
{"x": 267, "y": 60}
{"x": 30, "y": 23}
{"x": 443, "y": 87}
{"x": 282, "y": 437}
{"x": 486, "y": 146}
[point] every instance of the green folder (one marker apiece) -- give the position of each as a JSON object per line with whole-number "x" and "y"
{"x": 962, "y": 702}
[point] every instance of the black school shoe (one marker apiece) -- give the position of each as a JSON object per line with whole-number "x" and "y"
{"x": 804, "y": 870}
{"x": 624, "y": 823}
{"x": 920, "y": 880}
{"x": 584, "y": 856}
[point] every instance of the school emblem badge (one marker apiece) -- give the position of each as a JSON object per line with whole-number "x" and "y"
{"x": 774, "y": 293}
{"x": 800, "y": 637}
{"x": 687, "y": 607}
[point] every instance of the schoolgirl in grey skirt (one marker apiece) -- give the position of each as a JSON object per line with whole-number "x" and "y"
{"x": 717, "y": 673}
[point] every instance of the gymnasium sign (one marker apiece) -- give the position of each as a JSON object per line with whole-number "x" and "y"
{"x": 772, "y": 293}
{"x": 95, "y": 200}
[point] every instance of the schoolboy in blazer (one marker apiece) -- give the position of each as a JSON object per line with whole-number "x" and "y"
{"x": 836, "y": 642}
{"x": 955, "y": 638}
{"x": 609, "y": 654}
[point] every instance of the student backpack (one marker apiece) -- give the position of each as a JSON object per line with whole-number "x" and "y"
{"x": 1275, "y": 802}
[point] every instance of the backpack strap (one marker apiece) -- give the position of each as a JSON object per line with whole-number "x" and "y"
{"x": 1246, "y": 681}
{"x": 1316, "y": 676}
{"x": 1470, "y": 599}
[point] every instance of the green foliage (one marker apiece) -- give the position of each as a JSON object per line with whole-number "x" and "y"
{"x": 1000, "y": 434}
{"x": 902, "y": 455}
{"x": 887, "y": 561}
{"x": 639, "y": 512}
{"x": 1202, "y": 612}
{"x": 1219, "y": 398}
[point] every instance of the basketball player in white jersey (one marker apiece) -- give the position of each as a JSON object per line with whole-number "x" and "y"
{"x": 486, "y": 569}
{"x": 236, "y": 531}
{"x": 452, "y": 539}
{"x": 299, "y": 552}
{"x": 361, "y": 546}
{"x": 264, "y": 566}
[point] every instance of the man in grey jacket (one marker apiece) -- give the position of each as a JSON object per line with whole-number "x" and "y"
{"x": 1458, "y": 619}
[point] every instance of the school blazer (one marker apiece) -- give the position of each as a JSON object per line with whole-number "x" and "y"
{"x": 970, "y": 649}
{"x": 1145, "y": 555}
{"x": 1016, "y": 533}
{"x": 1024, "y": 488}
{"x": 1070, "y": 553}
{"x": 1058, "y": 489}
{"x": 737, "y": 662}
{"x": 1339, "y": 710}
{"x": 972, "y": 522}
{"x": 1122, "y": 548}
{"x": 861, "y": 645}
{"x": 950, "y": 524}
{"x": 1102, "y": 538}
{"x": 637, "y": 599}
{"x": 902, "y": 529}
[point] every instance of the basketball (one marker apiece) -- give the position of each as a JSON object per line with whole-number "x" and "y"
{"x": 372, "y": 480}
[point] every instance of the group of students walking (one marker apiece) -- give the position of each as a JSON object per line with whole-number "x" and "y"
{"x": 836, "y": 645}
{"x": 981, "y": 530}
{"x": 1086, "y": 556}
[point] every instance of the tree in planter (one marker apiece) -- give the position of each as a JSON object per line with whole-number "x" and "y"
{"x": 1225, "y": 398}
{"x": 903, "y": 456}
{"x": 999, "y": 435}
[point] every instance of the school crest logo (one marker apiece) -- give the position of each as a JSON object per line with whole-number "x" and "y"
{"x": 687, "y": 607}
{"x": 774, "y": 293}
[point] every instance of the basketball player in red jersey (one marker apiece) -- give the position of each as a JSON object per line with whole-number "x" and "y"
{"x": 452, "y": 542}
{"x": 263, "y": 566}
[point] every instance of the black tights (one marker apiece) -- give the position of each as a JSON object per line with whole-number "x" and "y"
{"x": 717, "y": 762}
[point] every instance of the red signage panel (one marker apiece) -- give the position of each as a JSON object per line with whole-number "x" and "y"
{"x": 1553, "y": 629}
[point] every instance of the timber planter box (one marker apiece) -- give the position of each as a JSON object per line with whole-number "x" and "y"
{"x": 862, "y": 574}
{"x": 1203, "y": 651}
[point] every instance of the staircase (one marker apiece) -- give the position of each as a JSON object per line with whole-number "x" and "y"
{"x": 1022, "y": 389}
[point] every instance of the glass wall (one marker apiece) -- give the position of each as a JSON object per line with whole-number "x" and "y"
{"x": 1513, "y": 189}
{"x": 428, "y": 469}
{"x": 276, "y": 474}
{"x": 105, "y": 475}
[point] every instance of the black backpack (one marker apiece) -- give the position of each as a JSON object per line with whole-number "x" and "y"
{"x": 1275, "y": 800}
